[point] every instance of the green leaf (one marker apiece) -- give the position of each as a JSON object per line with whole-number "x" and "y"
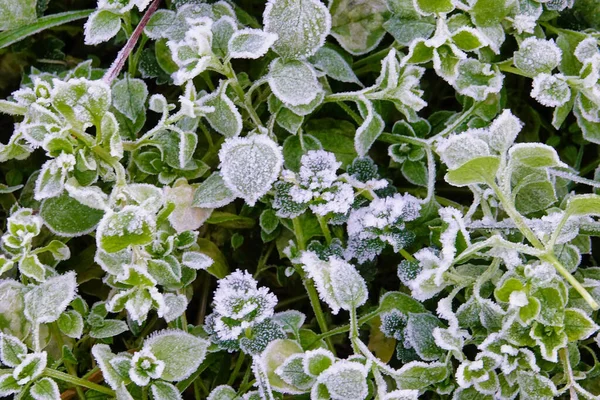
{"x": 108, "y": 329}
{"x": 8, "y": 385}
{"x": 275, "y": 355}
{"x": 467, "y": 39}
{"x": 578, "y": 326}
{"x": 12, "y": 350}
{"x": 318, "y": 360}
{"x": 407, "y": 30}
{"x": 164, "y": 391}
{"x": 223, "y": 392}
{"x": 550, "y": 339}
{"x": 71, "y": 324}
{"x": 228, "y": 220}
{"x": 336, "y": 136}
{"x": 489, "y": 13}
{"x": 289, "y": 121}
{"x": 102, "y": 26}
{"x": 419, "y": 331}
{"x": 301, "y": 26}
{"x": 535, "y": 385}
{"x": 73, "y": 101}
{"x": 45, "y": 389}
{"x": 357, "y": 25}
{"x": 129, "y": 97}
{"x": 250, "y": 43}
{"x": 181, "y": 352}
{"x": 433, "y": 7}
{"x": 534, "y": 155}
{"x": 66, "y": 216}
{"x": 345, "y": 380}
{"x": 48, "y": 300}
{"x": 477, "y": 170}
{"x": 534, "y": 196}
{"x": 418, "y": 375}
{"x": 119, "y": 230}
{"x": 401, "y": 302}
{"x": 583, "y": 205}
{"x": 331, "y": 61}
{"x": 478, "y": 80}
{"x": 536, "y": 56}
{"x": 371, "y": 128}
{"x": 213, "y": 193}
{"x": 222, "y": 31}
{"x": 294, "y": 147}
{"x": 292, "y": 373}
{"x": 268, "y": 221}
{"x": 225, "y": 119}
{"x": 415, "y": 172}
{"x": 219, "y": 268}
{"x": 16, "y": 13}
{"x": 293, "y": 82}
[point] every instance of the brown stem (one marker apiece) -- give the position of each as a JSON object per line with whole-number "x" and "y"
{"x": 117, "y": 65}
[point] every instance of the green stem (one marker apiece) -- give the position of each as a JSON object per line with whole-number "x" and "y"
{"x": 354, "y": 330}
{"x": 324, "y": 228}
{"x": 513, "y": 70}
{"x": 236, "y": 370}
{"x": 299, "y": 234}
{"x": 346, "y": 328}
{"x": 549, "y": 255}
{"x": 457, "y": 122}
{"x": 70, "y": 369}
{"x": 235, "y": 85}
{"x": 51, "y": 373}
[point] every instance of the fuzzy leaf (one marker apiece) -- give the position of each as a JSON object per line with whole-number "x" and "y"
{"x": 129, "y": 97}
{"x": 47, "y": 301}
{"x": 250, "y": 43}
{"x": 11, "y": 350}
{"x": 71, "y": 324}
{"x": 301, "y": 26}
{"x": 119, "y": 230}
{"x": 45, "y": 389}
{"x": 225, "y": 119}
{"x": 293, "y": 82}
{"x": 66, "y": 216}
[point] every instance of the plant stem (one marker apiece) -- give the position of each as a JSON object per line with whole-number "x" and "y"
{"x": 457, "y": 122}
{"x": 313, "y": 296}
{"x": 59, "y": 341}
{"x": 354, "y": 330}
{"x": 115, "y": 68}
{"x": 78, "y": 381}
{"x": 513, "y": 70}
{"x": 548, "y": 255}
{"x": 324, "y": 228}
{"x": 235, "y": 85}
{"x": 236, "y": 370}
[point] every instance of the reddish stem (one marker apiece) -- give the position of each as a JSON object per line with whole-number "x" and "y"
{"x": 117, "y": 65}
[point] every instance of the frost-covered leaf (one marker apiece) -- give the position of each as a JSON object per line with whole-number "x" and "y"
{"x": 103, "y": 357}
{"x": 536, "y": 386}
{"x": 185, "y": 217}
{"x": 292, "y": 373}
{"x": 17, "y": 13}
{"x": 370, "y": 129}
{"x": 159, "y": 24}
{"x": 317, "y": 361}
{"x": 419, "y": 331}
{"x": 196, "y": 260}
{"x": 109, "y": 328}
{"x": 47, "y": 301}
{"x": 250, "y": 43}
{"x": 345, "y": 380}
{"x": 429, "y": 7}
{"x": 176, "y": 306}
{"x": 12, "y": 350}
{"x": 129, "y": 96}
{"x": 551, "y": 90}
{"x": 31, "y": 367}
{"x": 268, "y": 221}
{"x": 81, "y": 101}
{"x": 584, "y": 204}
{"x": 222, "y": 392}
{"x": 275, "y": 355}
{"x": 8, "y": 385}
{"x": 45, "y": 389}
{"x": 213, "y": 193}
{"x": 477, "y": 80}
{"x": 358, "y": 25}
{"x": 293, "y": 82}
{"x": 222, "y": 30}
{"x": 349, "y": 288}
{"x": 301, "y": 26}
{"x": 119, "y": 230}
{"x": 534, "y": 155}
{"x": 489, "y": 13}
{"x": 164, "y": 391}
{"x": 225, "y": 119}
{"x": 331, "y": 61}
{"x": 66, "y": 216}
{"x": 181, "y": 352}
{"x": 250, "y": 166}
{"x": 578, "y": 326}
{"x": 71, "y": 324}
{"x": 536, "y": 56}
{"x": 418, "y": 375}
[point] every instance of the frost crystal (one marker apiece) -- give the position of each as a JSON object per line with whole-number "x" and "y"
{"x": 537, "y": 56}
{"x": 239, "y": 304}
{"x": 250, "y": 165}
{"x": 380, "y": 223}
{"x": 551, "y": 90}
{"x": 145, "y": 366}
{"x": 316, "y": 186}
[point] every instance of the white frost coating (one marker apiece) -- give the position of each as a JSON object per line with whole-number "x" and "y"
{"x": 238, "y": 298}
{"x": 145, "y": 366}
{"x": 45, "y": 302}
{"x": 301, "y": 26}
{"x": 524, "y": 23}
{"x": 456, "y": 150}
{"x": 546, "y": 226}
{"x": 101, "y": 26}
{"x": 551, "y": 90}
{"x": 345, "y": 380}
{"x": 537, "y": 55}
{"x": 400, "y": 394}
{"x": 293, "y": 82}
{"x": 193, "y": 54}
{"x": 337, "y": 282}
{"x": 250, "y": 43}
{"x": 52, "y": 177}
{"x": 541, "y": 271}
{"x": 185, "y": 217}
{"x": 91, "y": 196}
{"x": 176, "y": 305}
{"x": 587, "y": 49}
{"x": 250, "y": 165}
{"x": 24, "y": 373}
{"x": 518, "y": 298}
{"x": 503, "y": 131}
